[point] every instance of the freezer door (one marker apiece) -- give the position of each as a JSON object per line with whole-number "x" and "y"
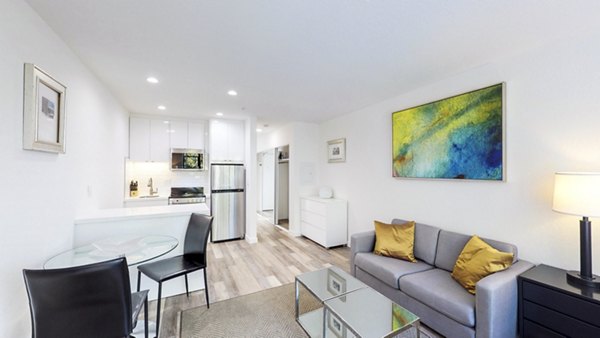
{"x": 227, "y": 177}
{"x": 229, "y": 216}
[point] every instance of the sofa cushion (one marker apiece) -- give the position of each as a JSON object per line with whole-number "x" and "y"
{"x": 426, "y": 238}
{"x": 477, "y": 260}
{"x": 395, "y": 240}
{"x": 387, "y": 269}
{"x": 436, "y": 289}
{"x": 450, "y": 245}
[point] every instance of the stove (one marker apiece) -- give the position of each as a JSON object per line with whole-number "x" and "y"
{"x": 187, "y": 195}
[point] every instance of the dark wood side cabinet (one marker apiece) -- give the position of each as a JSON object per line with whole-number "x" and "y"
{"x": 550, "y": 307}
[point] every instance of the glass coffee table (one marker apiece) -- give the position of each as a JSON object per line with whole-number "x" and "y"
{"x": 366, "y": 313}
{"x": 349, "y": 308}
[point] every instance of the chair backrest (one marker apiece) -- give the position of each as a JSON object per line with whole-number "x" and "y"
{"x": 196, "y": 236}
{"x": 84, "y": 301}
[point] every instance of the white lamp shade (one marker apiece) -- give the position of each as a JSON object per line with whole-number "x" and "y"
{"x": 577, "y": 193}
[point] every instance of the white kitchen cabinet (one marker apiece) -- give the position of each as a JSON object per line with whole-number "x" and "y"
{"x": 148, "y": 140}
{"x": 139, "y": 139}
{"x": 237, "y": 144}
{"x": 160, "y": 141}
{"x": 188, "y": 135}
{"x": 179, "y": 134}
{"x": 324, "y": 220}
{"x": 227, "y": 141}
{"x": 196, "y": 134}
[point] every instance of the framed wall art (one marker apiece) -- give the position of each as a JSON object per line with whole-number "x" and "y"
{"x": 460, "y": 137}
{"x": 336, "y": 285}
{"x": 335, "y": 326}
{"x": 43, "y": 111}
{"x": 336, "y": 150}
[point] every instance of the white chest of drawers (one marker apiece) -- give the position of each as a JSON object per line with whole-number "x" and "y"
{"x": 324, "y": 220}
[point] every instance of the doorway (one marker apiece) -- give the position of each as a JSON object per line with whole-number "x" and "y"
{"x": 282, "y": 187}
{"x": 273, "y": 185}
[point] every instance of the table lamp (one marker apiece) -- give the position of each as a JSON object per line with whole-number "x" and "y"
{"x": 578, "y": 193}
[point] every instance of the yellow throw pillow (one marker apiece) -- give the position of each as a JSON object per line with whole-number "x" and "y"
{"x": 477, "y": 260}
{"x": 395, "y": 240}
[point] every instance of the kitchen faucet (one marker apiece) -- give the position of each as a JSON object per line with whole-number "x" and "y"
{"x": 151, "y": 191}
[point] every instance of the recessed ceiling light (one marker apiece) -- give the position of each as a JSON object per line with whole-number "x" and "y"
{"x": 232, "y": 92}
{"x": 161, "y": 107}
{"x": 219, "y": 114}
{"x": 258, "y": 130}
{"x": 152, "y": 79}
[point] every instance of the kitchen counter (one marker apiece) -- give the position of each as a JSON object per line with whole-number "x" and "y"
{"x": 119, "y": 214}
{"x": 143, "y": 198}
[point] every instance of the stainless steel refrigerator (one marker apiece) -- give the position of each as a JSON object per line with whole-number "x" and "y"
{"x": 227, "y": 201}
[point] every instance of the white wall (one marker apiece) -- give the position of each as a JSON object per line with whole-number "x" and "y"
{"x": 251, "y": 179}
{"x": 552, "y": 120}
{"x": 42, "y": 192}
{"x": 268, "y": 180}
{"x": 303, "y": 156}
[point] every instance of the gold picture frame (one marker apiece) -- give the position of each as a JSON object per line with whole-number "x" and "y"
{"x": 43, "y": 111}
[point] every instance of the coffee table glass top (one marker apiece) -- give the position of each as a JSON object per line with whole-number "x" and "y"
{"x": 369, "y": 314}
{"x": 137, "y": 249}
{"x": 329, "y": 282}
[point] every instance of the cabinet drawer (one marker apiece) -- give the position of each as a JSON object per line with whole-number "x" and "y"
{"x": 558, "y": 322}
{"x": 313, "y": 206}
{"x": 314, "y": 219}
{"x": 568, "y": 305}
{"x": 533, "y": 330}
{"x": 314, "y": 233}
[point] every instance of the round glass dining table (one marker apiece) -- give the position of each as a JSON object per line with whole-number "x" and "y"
{"x": 135, "y": 248}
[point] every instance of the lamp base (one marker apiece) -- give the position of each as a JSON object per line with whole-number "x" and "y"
{"x": 574, "y": 277}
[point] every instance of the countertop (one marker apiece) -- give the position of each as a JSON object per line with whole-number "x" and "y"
{"x": 107, "y": 215}
{"x": 140, "y": 198}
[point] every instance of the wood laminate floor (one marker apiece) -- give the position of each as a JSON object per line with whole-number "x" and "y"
{"x": 237, "y": 268}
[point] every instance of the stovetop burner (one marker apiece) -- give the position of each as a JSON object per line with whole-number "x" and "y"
{"x": 185, "y": 192}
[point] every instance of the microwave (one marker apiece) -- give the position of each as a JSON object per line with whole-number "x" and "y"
{"x": 187, "y": 159}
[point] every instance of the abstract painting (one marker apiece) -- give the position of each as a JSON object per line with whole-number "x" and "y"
{"x": 460, "y": 137}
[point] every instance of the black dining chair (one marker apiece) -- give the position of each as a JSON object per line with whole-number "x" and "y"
{"x": 193, "y": 259}
{"x": 92, "y": 300}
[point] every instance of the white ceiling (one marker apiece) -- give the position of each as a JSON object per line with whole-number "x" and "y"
{"x": 295, "y": 60}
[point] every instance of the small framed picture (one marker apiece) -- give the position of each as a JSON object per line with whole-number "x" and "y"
{"x": 336, "y": 150}
{"x": 336, "y": 285}
{"x": 335, "y": 325}
{"x": 43, "y": 111}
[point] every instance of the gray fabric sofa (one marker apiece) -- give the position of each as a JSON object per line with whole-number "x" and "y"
{"x": 427, "y": 289}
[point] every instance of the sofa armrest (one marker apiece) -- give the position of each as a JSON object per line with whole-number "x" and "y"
{"x": 496, "y": 302}
{"x": 361, "y": 242}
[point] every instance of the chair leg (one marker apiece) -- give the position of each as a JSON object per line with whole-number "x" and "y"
{"x": 187, "y": 292}
{"x": 139, "y": 280}
{"x": 206, "y": 289}
{"x": 158, "y": 307}
{"x": 145, "y": 316}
